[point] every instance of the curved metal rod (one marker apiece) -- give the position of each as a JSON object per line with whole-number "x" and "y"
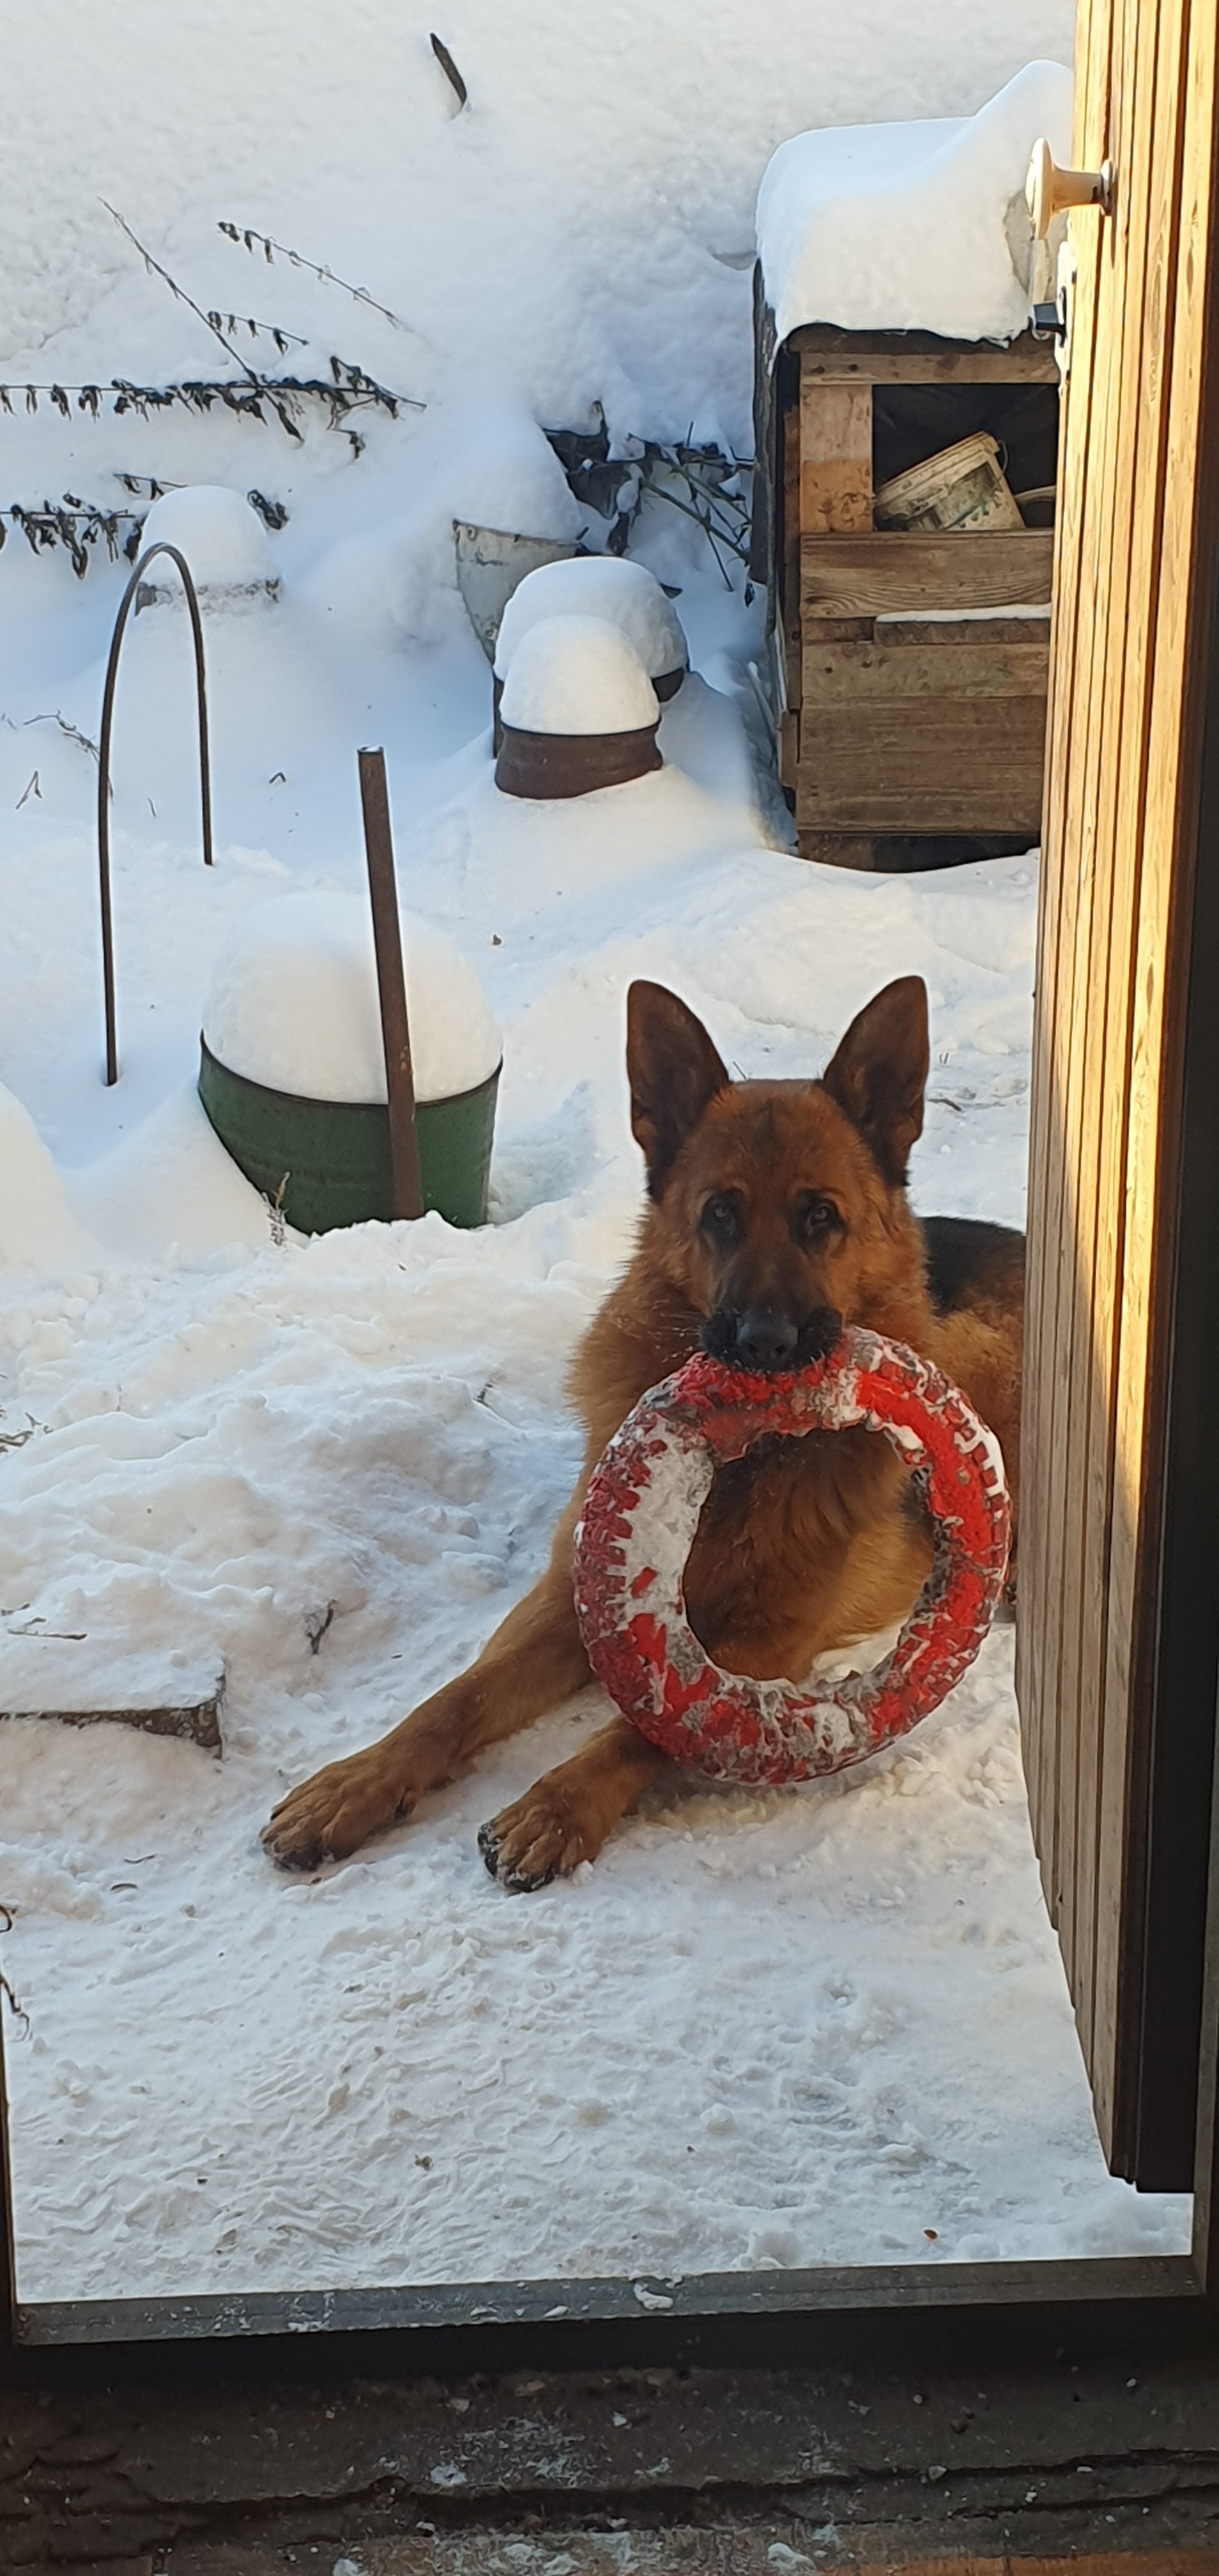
{"x": 103, "y": 768}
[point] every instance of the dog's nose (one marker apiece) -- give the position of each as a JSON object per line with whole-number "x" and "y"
{"x": 764, "y": 1340}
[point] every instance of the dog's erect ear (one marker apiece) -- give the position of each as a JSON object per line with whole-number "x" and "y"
{"x": 674, "y": 1071}
{"x": 879, "y": 1073}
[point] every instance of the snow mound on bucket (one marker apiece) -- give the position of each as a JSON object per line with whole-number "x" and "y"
{"x": 626, "y": 595}
{"x": 574, "y": 675}
{"x": 221, "y": 536}
{"x": 905, "y": 227}
{"x": 293, "y": 1003}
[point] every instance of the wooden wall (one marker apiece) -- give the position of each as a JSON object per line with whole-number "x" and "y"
{"x": 1124, "y": 1875}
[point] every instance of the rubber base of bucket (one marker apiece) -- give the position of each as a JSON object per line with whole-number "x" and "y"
{"x": 325, "y": 1163}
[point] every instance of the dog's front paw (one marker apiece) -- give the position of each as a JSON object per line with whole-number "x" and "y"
{"x": 334, "y": 1812}
{"x": 542, "y": 1837}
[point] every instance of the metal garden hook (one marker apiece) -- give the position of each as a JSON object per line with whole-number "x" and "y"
{"x": 103, "y": 768}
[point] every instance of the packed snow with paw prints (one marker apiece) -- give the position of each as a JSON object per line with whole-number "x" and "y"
{"x": 821, "y": 2025}
{"x": 766, "y": 2029}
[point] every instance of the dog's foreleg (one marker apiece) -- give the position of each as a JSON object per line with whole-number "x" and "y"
{"x": 533, "y": 1661}
{"x": 568, "y": 1814}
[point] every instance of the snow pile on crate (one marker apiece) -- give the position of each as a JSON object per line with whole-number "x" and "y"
{"x": 293, "y": 1003}
{"x": 915, "y": 226}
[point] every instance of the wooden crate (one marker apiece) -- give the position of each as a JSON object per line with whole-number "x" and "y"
{"x": 921, "y": 725}
{"x": 902, "y": 708}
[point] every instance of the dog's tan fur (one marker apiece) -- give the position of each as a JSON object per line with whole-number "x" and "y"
{"x": 775, "y": 1209}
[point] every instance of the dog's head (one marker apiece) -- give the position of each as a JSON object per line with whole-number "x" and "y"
{"x": 779, "y": 1208}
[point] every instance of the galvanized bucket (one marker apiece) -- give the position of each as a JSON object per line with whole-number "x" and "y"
{"x": 326, "y": 1163}
{"x": 490, "y": 563}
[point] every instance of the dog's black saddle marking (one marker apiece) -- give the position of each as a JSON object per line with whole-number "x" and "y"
{"x": 968, "y": 1259}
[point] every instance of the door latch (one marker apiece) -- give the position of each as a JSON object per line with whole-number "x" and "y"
{"x": 1049, "y": 191}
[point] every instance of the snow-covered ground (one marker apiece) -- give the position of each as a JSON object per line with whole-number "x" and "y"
{"x": 821, "y": 2025}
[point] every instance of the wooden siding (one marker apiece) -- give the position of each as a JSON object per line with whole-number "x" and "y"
{"x": 1129, "y": 656}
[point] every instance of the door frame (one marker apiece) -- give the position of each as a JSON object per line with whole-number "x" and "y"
{"x": 741, "y": 2317}
{"x": 874, "y": 2313}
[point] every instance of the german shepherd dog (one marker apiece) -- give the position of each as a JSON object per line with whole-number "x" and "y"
{"x": 776, "y": 1212}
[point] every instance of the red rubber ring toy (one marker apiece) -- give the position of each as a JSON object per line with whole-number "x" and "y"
{"x": 641, "y": 1514}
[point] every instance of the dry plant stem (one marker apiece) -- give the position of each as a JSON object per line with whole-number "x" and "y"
{"x": 245, "y": 234}
{"x": 209, "y": 321}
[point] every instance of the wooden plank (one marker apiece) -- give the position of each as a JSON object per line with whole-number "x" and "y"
{"x": 1149, "y": 2562}
{"x": 1143, "y": 116}
{"x": 960, "y": 782}
{"x": 1085, "y": 1102}
{"x": 789, "y": 748}
{"x": 195, "y": 1721}
{"x": 1040, "y": 1584}
{"x": 928, "y": 814}
{"x": 79, "y": 1684}
{"x": 1109, "y": 1745}
{"x": 1186, "y": 461}
{"x": 1143, "y": 2562}
{"x": 788, "y": 619}
{"x": 920, "y": 358}
{"x": 898, "y": 569}
{"x": 888, "y": 668}
{"x": 1039, "y": 1590}
{"x": 835, "y": 457}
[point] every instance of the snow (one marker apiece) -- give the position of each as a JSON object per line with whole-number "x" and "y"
{"x": 393, "y": 2070}
{"x": 293, "y": 1003}
{"x": 221, "y": 536}
{"x": 912, "y": 227}
{"x": 766, "y": 2028}
{"x": 573, "y": 675}
{"x": 607, "y": 586}
{"x": 570, "y": 226}
{"x": 36, "y": 1222}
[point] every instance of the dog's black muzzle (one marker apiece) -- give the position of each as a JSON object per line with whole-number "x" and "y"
{"x": 764, "y": 1338}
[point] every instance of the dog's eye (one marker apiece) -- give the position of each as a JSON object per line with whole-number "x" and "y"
{"x": 813, "y": 1216}
{"x": 722, "y": 1218}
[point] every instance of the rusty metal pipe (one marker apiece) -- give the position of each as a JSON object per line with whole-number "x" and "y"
{"x": 103, "y": 769}
{"x": 391, "y": 986}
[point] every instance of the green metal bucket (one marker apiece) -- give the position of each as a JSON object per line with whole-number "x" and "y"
{"x": 326, "y": 1162}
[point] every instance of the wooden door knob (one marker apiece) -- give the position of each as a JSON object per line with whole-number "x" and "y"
{"x": 1049, "y": 191}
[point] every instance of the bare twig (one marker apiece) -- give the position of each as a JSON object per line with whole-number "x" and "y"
{"x": 317, "y": 1622}
{"x": 15, "y": 2005}
{"x": 275, "y": 1211}
{"x": 73, "y": 734}
{"x": 689, "y": 512}
{"x": 17, "y": 1440}
{"x": 246, "y": 235}
{"x": 450, "y": 70}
